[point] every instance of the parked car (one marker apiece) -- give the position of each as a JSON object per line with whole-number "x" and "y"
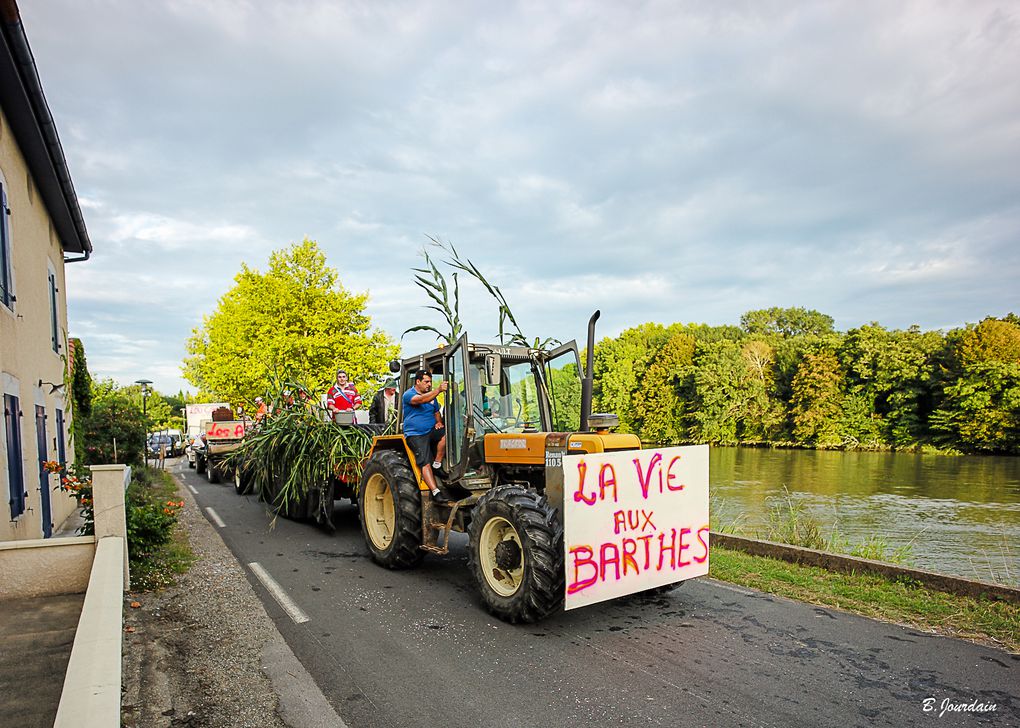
{"x": 161, "y": 440}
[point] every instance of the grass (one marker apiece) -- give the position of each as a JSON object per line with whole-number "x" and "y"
{"x": 901, "y": 602}
{"x": 161, "y": 565}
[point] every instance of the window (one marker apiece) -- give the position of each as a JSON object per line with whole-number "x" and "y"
{"x": 15, "y": 475}
{"x": 54, "y": 325}
{"x": 61, "y": 448}
{"x": 6, "y": 279}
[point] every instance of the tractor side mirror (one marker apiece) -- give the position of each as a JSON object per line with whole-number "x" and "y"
{"x": 493, "y": 370}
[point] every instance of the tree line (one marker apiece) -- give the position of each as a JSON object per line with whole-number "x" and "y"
{"x": 785, "y": 376}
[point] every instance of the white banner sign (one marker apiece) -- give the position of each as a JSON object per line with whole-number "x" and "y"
{"x": 633, "y": 520}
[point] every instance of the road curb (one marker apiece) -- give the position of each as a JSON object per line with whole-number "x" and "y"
{"x": 850, "y": 564}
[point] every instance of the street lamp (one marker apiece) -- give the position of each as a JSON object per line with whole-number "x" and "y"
{"x": 144, "y": 383}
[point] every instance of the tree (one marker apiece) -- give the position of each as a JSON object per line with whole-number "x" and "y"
{"x": 657, "y": 404}
{"x": 114, "y": 430}
{"x": 294, "y": 322}
{"x": 619, "y": 366}
{"x": 980, "y": 408}
{"x": 786, "y": 322}
{"x": 817, "y": 399}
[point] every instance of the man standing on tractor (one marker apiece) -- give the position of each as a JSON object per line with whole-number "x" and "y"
{"x": 343, "y": 395}
{"x": 423, "y": 428}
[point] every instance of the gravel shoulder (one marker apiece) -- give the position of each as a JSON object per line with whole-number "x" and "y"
{"x": 204, "y": 653}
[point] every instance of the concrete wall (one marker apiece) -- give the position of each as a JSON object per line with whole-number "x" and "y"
{"x": 26, "y": 351}
{"x": 44, "y": 567}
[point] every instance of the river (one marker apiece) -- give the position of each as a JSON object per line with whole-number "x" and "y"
{"x": 957, "y": 515}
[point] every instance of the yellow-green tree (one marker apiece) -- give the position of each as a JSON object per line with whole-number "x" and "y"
{"x": 295, "y": 322}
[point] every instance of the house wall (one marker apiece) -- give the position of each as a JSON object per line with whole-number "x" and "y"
{"x": 26, "y": 350}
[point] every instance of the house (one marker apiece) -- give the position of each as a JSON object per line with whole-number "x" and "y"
{"x": 41, "y": 231}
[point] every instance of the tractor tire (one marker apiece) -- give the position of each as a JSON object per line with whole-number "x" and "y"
{"x": 242, "y": 482}
{"x": 389, "y": 503}
{"x": 212, "y": 473}
{"x": 200, "y": 465}
{"x": 515, "y": 554}
{"x": 191, "y": 464}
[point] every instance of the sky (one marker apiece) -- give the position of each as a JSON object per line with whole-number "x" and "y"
{"x": 658, "y": 161}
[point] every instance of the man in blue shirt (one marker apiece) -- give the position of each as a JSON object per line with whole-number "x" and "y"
{"x": 423, "y": 428}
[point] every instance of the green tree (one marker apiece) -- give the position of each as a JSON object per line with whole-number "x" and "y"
{"x": 114, "y": 430}
{"x": 890, "y": 380}
{"x": 980, "y": 408}
{"x": 817, "y": 400}
{"x": 619, "y": 366}
{"x": 786, "y": 322}
{"x": 763, "y": 415}
{"x": 717, "y": 392}
{"x": 295, "y": 322}
{"x": 657, "y": 404}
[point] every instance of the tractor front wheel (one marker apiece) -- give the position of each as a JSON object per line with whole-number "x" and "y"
{"x": 389, "y": 502}
{"x": 515, "y": 554}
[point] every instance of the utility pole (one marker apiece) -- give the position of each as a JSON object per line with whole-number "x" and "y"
{"x": 144, "y": 383}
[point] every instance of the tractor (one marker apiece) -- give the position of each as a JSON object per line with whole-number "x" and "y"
{"x": 511, "y": 414}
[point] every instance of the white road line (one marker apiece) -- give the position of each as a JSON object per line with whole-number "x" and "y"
{"x": 215, "y": 518}
{"x": 193, "y": 489}
{"x": 292, "y": 609}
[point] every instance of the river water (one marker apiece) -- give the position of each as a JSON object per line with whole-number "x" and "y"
{"x": 957, "y": 515}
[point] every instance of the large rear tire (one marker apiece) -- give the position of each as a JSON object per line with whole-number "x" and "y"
{"x": 389, "y": 502}
{"x": 200, "y": 465}
{"x": 515, "y": 554}
{"x": 212, "y": 473}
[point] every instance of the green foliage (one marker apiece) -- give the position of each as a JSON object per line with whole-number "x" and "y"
{"x": 296, "y": 321}
{"x": 81, "y": 395}
{"x": 657, "y": 403}
{"x": 787, "y": 322}
{"x": 432, "y": 281}
{"x": 151, "y": 515}
{"x": 816, "y": 401}
{"x": 114, "y": 431}
{"x": 297, "y": 448}
{"x": 787, "y": 377}
{"x": 789, "y": 522}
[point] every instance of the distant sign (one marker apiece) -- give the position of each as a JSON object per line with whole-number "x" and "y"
{"x": 196, "y": 412}
{"x": 633, "y": 520}
{"x": 224, "y": 430}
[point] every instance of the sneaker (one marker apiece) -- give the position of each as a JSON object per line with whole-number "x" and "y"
{"x": 440, "y": 497}
{"x": 439, "y": 473}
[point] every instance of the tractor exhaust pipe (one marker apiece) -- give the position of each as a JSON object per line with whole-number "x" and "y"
{"x": 589, "y": 374}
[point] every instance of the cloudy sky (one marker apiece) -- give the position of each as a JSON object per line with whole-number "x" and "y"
{"x": 660, "y": 161}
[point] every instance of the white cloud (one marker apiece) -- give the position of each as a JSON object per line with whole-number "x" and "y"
{"x": 661, "y": 161}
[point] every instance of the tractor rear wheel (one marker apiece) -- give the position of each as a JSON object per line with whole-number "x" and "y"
{"x": 389, "y": 502}
{"x": 212, "y": 473}
{"x": 515, "y": 554}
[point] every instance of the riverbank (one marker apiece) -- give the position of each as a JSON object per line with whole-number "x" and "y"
{"x": 991, "y": 622}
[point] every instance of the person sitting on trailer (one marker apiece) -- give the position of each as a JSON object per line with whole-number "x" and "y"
{"x": 262, "y": 411}
{"x": 423, "y": 429}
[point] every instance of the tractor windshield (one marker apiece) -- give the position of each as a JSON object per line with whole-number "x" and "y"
{"x": 513, "y": 405}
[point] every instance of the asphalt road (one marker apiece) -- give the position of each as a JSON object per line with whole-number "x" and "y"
{"x": 416, "y": 648}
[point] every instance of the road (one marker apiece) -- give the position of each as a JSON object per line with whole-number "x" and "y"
{"x": 416, "y": 648}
